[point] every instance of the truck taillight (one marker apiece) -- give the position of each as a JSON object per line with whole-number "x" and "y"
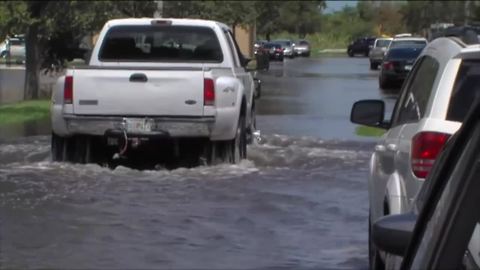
{"x": 68, "y": 90}
{"x": 208, "y": 92}
{"x": 425, "y": 148}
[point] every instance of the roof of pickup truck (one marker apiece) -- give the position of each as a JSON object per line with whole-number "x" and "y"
{"x": 174, "y": 21}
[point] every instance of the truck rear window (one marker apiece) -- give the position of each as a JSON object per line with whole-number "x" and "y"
{"x": 146, "y": 43}
{"x": 465, "y": 90}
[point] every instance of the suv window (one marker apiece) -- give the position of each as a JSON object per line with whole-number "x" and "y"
{"x": 465, "y": 90}
{"x": 161, "y": 43}
{"x": 383, "y": 43}
{"x": 407, "y": 43}
{"x": 404, "y": 53}
{"x": 418, "y": 90}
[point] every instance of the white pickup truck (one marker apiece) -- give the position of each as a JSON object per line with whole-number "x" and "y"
{"x": 173, "y": 87}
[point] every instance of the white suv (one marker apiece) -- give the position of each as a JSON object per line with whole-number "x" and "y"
{"x": 433, "y": 102}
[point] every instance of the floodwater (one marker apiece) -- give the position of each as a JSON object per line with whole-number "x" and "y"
{"x": 299, "y": 201}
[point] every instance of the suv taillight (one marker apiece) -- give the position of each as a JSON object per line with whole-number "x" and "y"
{"x": 208, "y": 92}
{"x": 68, "y": 90}
{"x": 388, "y": 65}
{"x": 425, "y": 148}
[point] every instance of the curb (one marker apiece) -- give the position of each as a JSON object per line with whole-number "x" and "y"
{"x": 333, "y": 51}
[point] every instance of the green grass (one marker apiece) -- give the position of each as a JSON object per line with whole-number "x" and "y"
{"x": 24, "y": 111}
{"x": 12, "y": 61}
{"x": 369, "y": 131}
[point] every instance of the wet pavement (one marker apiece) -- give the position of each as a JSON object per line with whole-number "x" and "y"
{"x": 298, "y": 202}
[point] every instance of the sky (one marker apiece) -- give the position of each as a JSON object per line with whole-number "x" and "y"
{"x": 333, "y": 6}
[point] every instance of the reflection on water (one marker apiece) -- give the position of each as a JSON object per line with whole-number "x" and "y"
{"x": 31, "y": 128}
{"x": 300, "y": 201}
{"x": 296, "y": 203}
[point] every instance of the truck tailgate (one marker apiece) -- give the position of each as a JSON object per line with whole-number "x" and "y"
{"x": 138, "y": 92}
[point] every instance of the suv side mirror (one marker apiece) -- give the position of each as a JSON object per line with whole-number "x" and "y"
{"x": 369, "y": 113}
{"x": 392, "y": 233}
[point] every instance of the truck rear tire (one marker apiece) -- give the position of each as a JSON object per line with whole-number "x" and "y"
{"x": 57, "y": 148}
{"x": 231, "y": 151}
{"x": 253, "y": 125}
{"x": 238, "y": 146}
{"x": 76, "y": 149}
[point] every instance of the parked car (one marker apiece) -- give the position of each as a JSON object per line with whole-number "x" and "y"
{"x": 259, "y": 43}
{"x": 262, "y": 55}
{"x": 434, "y": 100}
{"x": 287, "y": 46}
{"x": 13, "y": 47}
{"x": 442, "y": 229}
{"x": 378, "y": 51}
{"x": 361, "y": 46}
{"x": 397, "y": 63}
{"x": 203, "y": 109}
{"x": 275, "y": 51}
{"x": 302, "y": 48}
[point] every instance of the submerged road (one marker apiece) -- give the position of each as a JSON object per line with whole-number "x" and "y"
{"x": 298, "y": 202}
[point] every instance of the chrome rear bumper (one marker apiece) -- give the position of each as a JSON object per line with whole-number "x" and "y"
{"x": 156, "y": 126}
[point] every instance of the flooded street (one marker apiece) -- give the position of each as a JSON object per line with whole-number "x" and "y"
{"x": 299, "y": 201}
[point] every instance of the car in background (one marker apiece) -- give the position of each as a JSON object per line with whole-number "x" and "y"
{"x": 361, "y": 46}
{"x": 259, "y": 44}
{"x": 302, "y": 48}
{"x": 287, "y": 46}
{"x": 262, "y": 55}
{"x": 397, "y": 63}
{"x": 13, "y": 47}
{"x": 378, "y": 51}
{"x": 434, "y": 101}
{"x": 275, "y": 51}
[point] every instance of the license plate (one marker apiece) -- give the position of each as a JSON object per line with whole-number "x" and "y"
{"x": 138, "y": 125}
{"x": 408, "y": 67}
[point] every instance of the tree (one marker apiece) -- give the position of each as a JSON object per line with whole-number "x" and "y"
{"x": 419, "y": 15}
{"x": 182, "y": 9}
{"x": 301, "y": 17}
{"x": 52, "y": 27}
{"x": 232, "y": 13}
{"x": 268, "y": 17}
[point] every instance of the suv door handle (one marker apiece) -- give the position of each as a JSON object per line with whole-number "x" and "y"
{"x": 392, "y": 147}
{"x": 380, "y": 148}
{"x": 138, "y": 77}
